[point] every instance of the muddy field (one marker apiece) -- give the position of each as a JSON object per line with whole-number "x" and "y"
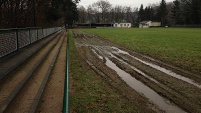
{"x": 168, "y": 88}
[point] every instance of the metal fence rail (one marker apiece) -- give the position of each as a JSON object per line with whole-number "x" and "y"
{"x": 66, "y": 103}
{"x": 13, "y": 39}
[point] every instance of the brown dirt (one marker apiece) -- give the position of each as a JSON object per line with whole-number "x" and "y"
{"x": 114, "y": 81}
{"x": 183, "y": 94}
{"x": 125, "y": 98}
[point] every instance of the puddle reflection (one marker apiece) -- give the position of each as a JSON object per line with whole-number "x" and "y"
{"x": 148, "y": 92}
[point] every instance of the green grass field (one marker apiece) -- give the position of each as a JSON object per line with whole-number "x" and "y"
{"x": 178, "y": 46}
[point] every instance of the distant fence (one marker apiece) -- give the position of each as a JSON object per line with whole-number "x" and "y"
{"x": 93, "y": 25}
{"x": 13, "y": 39}
{"x": 187, "y": 26}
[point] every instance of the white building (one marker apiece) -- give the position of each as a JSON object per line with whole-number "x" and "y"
{"x": 147, "y": 24}
{"x": 122, "y": 25}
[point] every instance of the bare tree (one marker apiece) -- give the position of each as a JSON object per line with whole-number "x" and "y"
{"x": 93, "y": 14}
{"x": 123, "y": 12}
{"x": 128, "y": 14}
{"x": 134, "y": 15}
{"x": 104, "y": 7}
{"x": 169, "y": 13}
{"x": 111, "y": 15}
{"x": 90, "y": 13}
{"x": 117, "y": 16}
{"x": 82, "y": 14}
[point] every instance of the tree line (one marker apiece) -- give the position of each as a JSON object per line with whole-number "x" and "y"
{"x": 37, "y": 13}
{"x": 178, "y": 12}
{"x": 103, "y": 12}
{"x": 186, "y": 12}
{"x": 44, "y": 13}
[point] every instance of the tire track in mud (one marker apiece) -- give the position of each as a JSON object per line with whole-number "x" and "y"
{"x": 161, "y": 102}
{"x": 159, "y": 68}
{"x": 162, "y": 86}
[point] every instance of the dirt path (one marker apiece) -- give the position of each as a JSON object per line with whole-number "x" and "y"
{"x": 168, "y": 87}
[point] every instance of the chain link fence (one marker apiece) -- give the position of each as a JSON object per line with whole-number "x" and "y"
{"x": 14, "y": 39}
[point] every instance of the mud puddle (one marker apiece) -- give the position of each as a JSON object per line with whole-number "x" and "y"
{"x": 138, "y": 86}
{"x": 166, "y": 71}
{"x": 137, "y": 70}
{"x": 163, "y": 103}
{"x": 99, "y": 56}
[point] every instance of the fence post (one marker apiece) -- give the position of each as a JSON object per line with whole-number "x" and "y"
{"x": 42, "y": 34}
{"x": 29, "y": 36}
{"x": 17, "y": 41}
{"x": 37, "y": 34}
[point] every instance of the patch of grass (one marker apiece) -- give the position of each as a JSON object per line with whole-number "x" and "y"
{"x": 90, "y": 93}
{"x": 178, "y": 46}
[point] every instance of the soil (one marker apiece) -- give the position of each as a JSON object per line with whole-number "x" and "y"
{"x": 178, "y": 91}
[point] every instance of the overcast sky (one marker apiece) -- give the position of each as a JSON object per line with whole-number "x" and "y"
{"x": 132, "y": 3}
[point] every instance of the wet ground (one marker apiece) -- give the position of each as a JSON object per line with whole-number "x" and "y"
{"x": 170, "y": 89}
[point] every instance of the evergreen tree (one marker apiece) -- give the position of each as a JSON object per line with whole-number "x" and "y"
{"x": 66, "y": 9}
{"x": 146, "y": 14}
{"x": 162, "y": 12}
{"x": 152, "y": 14}
{"x": 70, "y": 12}
{"x": 53, "y": 10}
{"x": 185, "y": 11}
{"x": 141, "y": 14}
{"x": 176, "y": 12}
{"x": 190, "y": 11}
{"x": 200, "y": 11}
{"x": 195, "y": 18}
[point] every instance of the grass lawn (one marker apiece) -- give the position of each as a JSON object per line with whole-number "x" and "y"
{"x": 178, "y": 46}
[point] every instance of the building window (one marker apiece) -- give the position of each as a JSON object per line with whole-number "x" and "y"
{"x": 124, "y": 24}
